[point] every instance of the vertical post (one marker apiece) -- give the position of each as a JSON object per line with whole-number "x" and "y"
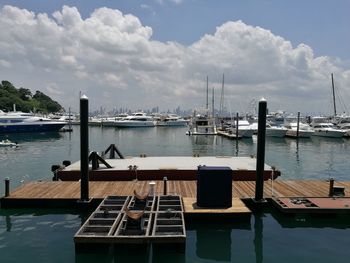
{"x": 84, "y": 148}
{"x": 69, "y": 121}
{"x": 165, "y": 189}
{"x": 237, "y": 123}
{"x": 7, "y": 186}
{"x": 331, "y": 186}
{"x": 260, "y": 160}
{"x": 151, "y": 188}
{"x": 298, "y": 123}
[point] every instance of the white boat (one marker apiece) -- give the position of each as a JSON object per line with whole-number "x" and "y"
{"x": 275, "y": 131}
{"x": 137, "y": 119}
{"x": 327, "y": 130}
{"x": 305, "y": 131}
{"x": 95, "y": 121}
{"x": 14, "y": 122}
{"x": 346, "y": 129}
{"x": 8, "y": 143}
{"x": 245, "y": 129}
{"x": 202, "y": 124}
{"x": 170, "y": 121}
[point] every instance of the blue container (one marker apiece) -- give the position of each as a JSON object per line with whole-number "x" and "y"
{"x": 214, "y": 186}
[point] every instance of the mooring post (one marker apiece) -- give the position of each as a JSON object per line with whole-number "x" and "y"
{"x": 237, "y": 121}
{"x": 260, "y": 159}
{"x": 298, "y": 124}
{"x": 84, "y": 148}
{"x": 165, "y": 189}
{"x": 331, "y": 187}
{"x": 151, "y": 188}
{"x": 7, "y": 186}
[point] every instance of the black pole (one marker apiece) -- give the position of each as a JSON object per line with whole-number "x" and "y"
{"x": 237, "y": 123}
{"x": 84, "y": 148}
{"x": 298, "y": 123}
{"x": 260, "y": 160}
{"x": 7, "y": 186}
{"x": 165, "y": 188}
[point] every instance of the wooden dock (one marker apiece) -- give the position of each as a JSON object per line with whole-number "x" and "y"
{"x": 172, "y": 167}
{"x": 39, "y": 194}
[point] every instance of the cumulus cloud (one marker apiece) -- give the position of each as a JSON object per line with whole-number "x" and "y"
{"x": 112, "y": 58}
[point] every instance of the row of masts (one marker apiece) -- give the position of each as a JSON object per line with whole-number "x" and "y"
{"x": 221, "y": 107}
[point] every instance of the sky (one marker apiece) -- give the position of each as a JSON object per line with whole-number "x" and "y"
{"x": 142, "y": 54}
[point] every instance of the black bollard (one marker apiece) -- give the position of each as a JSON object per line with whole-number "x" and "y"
{"x": 7, "y": 186}
{"x": 165, "y": 189}
{"x": 260, "y": 159}
{"x": 331, "y": 187}
{"x": 84, "y": 148}
{"x": 298, "y": 123}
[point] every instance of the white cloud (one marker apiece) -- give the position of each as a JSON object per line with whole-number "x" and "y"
{"x": 112, "y": 58}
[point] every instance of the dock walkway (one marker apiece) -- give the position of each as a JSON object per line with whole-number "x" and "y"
{"x": 101, "y": 189}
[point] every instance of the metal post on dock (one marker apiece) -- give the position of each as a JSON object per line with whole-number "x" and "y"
{"x": 298, "y": 121}
{"x": 331, "y": 187}
{"x": 84, "y": 148}
{"x": 7, "y": 186}
{"x": 165, "y": 189}
{"x": 260, "y": 159}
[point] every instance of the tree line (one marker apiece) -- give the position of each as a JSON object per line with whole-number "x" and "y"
{"x": 25, "y": 101}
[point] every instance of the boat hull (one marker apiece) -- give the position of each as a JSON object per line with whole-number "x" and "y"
{"x": 133, "y": 124}
{"x": 42, "y": 127}
{"x": 302, "y": 134}
{"x": 280, "y": 133}
{"x": 329, "y": 133}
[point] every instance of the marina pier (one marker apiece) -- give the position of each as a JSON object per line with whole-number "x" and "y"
{"x": 66, "y": 193}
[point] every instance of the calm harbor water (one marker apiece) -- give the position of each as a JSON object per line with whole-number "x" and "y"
{"x": 47, "y": 235}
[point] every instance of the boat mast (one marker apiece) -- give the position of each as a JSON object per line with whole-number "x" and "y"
{"x": 213, "y": 104}
{"x": 207, "y": 106}
{"x": 222, "y": 96}
{"x": 335, "y": 108}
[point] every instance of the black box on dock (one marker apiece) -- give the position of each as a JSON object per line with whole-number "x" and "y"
{"x": 214, "y": 186}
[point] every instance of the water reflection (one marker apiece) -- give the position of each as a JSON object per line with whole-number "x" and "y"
{"x": 8, "y": 223}
{"x": 209, "y": 236}
{"x": 258, "y": 238}
{"x": 29, "y": 137}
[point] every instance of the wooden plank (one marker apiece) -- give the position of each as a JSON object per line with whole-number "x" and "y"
{"x": 190, "y": 207}
{"x": 101, "y": 189}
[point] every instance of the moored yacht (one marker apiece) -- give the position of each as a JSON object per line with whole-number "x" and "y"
{"x": 305, "y": 131}
{"x": 327, "y": 130}
{"x": 202, "y": 124}
{"x": 137, "y": 119}
{"x": 13, "y": 122}
{"x": 245, "y": 129}
{"x": 171, "y": 120}
{"x": 275, "y": 131}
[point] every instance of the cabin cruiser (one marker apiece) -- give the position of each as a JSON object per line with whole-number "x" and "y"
{"x": 12, "y": 122}
{"x": 305, "y": 131}
{"x": 137, "y": 119}
{"x": 170, "y": 120}
{"x": 245, "y": 129}
{"x": 202, "y": 124}
{"x": 275, "y": 131}
{"x": 327, "y": 130}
